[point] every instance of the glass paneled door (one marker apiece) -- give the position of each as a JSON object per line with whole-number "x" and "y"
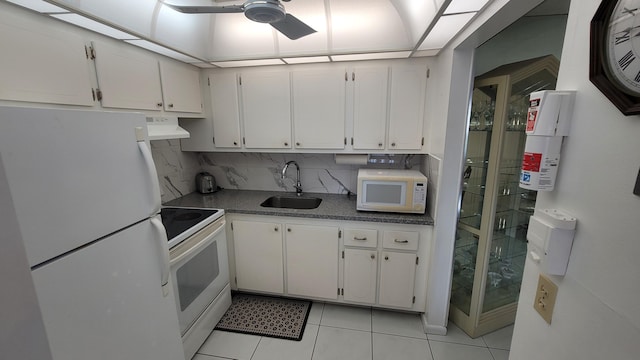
{"x": 490, "y": 244}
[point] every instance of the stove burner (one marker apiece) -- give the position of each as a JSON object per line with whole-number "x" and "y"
{"x": 178, "y": 220}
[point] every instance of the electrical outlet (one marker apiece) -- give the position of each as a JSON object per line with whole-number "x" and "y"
{"x": 545, "y": 300}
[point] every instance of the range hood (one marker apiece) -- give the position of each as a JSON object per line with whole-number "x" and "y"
{"x": 165, "y": 127}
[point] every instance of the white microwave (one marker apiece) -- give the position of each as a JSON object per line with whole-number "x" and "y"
{"x": 403, "y": 191}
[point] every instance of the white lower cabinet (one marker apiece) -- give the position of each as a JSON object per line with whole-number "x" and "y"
{"x": 397, "y": 270}
{"x": 397, "y": 277}
{"x": 360, "y": 275}
{"x": 375, "y": 264}
{"x": 258, "y": 256}
{"x": 312, "y": 260}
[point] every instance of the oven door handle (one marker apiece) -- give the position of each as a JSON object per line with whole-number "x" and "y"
{"x": 164, "y": 250}
{"x": 187, "y": 248}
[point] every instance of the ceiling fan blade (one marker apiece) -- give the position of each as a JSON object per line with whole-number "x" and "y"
{"x": 207, "y": 9}
{"x": 292, "y": 28}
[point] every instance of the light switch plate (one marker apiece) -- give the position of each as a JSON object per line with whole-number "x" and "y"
{"x": 545, "y": 299}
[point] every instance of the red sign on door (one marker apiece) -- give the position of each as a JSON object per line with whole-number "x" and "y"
{"x": 531, "y": 161}
{"x": 532, "y": 116}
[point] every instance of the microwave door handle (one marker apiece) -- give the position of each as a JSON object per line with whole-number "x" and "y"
{"x": 195, "y": 248}
{"x": 164, "y": 249}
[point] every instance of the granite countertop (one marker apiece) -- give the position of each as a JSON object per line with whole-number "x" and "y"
{"x": 333, "y": 206}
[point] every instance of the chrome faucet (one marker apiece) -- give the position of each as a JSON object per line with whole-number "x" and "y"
{"x": 298, "y": 184}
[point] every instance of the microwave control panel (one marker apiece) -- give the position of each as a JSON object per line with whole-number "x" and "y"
{"x": 419, "y": 195}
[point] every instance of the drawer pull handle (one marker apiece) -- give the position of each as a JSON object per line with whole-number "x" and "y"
{"x": 360, "y": 238}
{"x": 400, "y": 241}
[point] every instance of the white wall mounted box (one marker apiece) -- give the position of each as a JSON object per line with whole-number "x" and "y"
{"x": 548, "y": 120}
{"x": 550, "y": 236}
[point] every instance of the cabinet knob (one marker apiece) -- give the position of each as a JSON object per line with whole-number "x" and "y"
{"x": 297, "y": 144}
{"x": 275, "y": 228}
{"x": 386, "y": 257}
{"x": 171, "y": 105}
{"x": 393, "y": 144}
{"x": 286, "y": 144}
{"x": 289, "y": 229}
{"x": 235, "y": 143}
{"x": 373, "y": 256}
{"x": 380, "y": 144}
{"x": 159, "y": 104}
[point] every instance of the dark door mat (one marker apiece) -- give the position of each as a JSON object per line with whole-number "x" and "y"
{"x": 266, "y": 316}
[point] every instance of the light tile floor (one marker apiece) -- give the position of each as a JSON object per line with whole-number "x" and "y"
{"x": 354, "y": 333}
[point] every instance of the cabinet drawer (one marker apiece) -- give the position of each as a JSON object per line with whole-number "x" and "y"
{"x": 403, "y": 240}
{"x": 361, "y": 237}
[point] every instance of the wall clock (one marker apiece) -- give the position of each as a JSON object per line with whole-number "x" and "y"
{"x": 614, "y": 66}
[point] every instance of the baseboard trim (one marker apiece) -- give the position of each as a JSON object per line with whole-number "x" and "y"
{"x": 432, "y": 329}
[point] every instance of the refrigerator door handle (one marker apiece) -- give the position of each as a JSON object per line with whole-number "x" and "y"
{"x": 164, "y": 249}
{"x": 151, "y": 168}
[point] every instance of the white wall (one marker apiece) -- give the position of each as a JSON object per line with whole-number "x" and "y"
{"x": 597, "y": 313}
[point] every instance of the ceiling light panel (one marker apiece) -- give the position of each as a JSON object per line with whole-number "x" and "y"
{"x": 187, "y": 32}
{"x": 136, "y": 16}
{"x": 244, "y": 63}
{"x": 417, "y": 15}
{"x": 92, "y": 25}
{"x": 371, "y": 56}
{"x": 39, "y": 6}
{"x": 306, "y": 59}
{"x": 234, "y": 37}
{"x": 362, "y": 26}
{"x": 162, "y": 50}
{"x": 461, "y": 6}
{"x": 445, "y": 29}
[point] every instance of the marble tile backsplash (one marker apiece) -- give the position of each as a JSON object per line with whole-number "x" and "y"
{"x": 319, "y": 173}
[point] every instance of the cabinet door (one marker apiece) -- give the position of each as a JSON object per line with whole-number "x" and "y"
{"x": 266, "y": 109}
{"x": 312, "y": 261}
{"x": 258, "y": 256}
{"x": 397, "y": 277}
{"x": 181, "y": 87}
{"x": 360, "y": 275}
{"x": 226, "y": 110}
{"x": 128, "y": 78}
{"x": 319, "y": 109}
{"x": 370, "y": 107}
{"x": 406, "y": 113}
{"x": 41, "y": 63}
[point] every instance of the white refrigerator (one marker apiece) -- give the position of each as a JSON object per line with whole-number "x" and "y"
{"x": 84, "y": 190}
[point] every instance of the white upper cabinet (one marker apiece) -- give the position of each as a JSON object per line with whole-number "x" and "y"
{"x": 225, "y": 110}
{"x": 127, "y": 78}
{"x": 370, "y": 98}
{"x": 266, "y": 109}
{"x": 319, "y": 109}
{"x": 41, "y": 63}
{"x": 406, "y": 107}
{"x": 181, "y": 87}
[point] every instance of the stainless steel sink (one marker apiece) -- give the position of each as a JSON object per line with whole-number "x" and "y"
{"x": 292, "y": 202}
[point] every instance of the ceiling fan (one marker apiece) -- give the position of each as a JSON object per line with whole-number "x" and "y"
{"x": 263, "y": 11}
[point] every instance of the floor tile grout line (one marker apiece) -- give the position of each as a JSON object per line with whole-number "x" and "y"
{"x": 459, "y": 343}
{"x": 317, "y": 333}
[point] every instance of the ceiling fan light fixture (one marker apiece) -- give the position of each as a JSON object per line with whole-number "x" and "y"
{"x": 264, "y": 11}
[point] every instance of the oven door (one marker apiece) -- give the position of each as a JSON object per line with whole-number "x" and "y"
{"x": 199, "y": 271}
